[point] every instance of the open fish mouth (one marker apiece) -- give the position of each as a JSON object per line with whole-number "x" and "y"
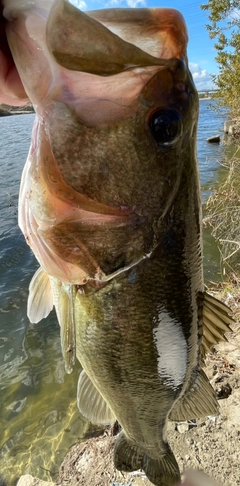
{"x": 113, "y": 71}
{"x": 103, "y": 43}
{"x": 110, "y": 205}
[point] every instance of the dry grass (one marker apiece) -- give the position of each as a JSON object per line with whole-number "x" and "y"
{"x": 223, "y": 217}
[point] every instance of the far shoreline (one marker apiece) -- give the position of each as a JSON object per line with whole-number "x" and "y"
{"x": 7, "y": 110}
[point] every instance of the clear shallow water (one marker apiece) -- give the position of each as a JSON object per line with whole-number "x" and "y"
{"x": 210, "y": 158}
{"x": 39, "y": 420}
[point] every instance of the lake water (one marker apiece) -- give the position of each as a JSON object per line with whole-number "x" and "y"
{"x": 39, "y": 420}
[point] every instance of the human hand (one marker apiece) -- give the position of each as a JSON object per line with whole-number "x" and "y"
{"x": 198, "y": 478}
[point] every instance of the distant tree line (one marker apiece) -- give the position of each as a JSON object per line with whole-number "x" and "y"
{"x": 224, "y": 26}
{"x": 207, "y": 94}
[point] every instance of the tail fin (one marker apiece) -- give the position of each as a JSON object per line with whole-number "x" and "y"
{"x": 161, "y": 472}
{"x": 126, "y": 457}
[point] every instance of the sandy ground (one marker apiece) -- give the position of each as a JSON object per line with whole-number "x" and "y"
{"x": 211, "y": 445}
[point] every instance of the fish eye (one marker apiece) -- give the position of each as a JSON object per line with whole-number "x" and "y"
{"x": 166, "y": 127}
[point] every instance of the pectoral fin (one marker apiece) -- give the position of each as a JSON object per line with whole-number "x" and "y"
{"x": 90, "y": 402}
{"x": 40, "y": 299}
{"x": 216, "y": 321}
{"x": 198, "y": 401}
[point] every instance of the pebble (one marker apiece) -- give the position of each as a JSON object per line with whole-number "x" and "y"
{"x": 183, "y": 427}
{"x": 28, "y": 480}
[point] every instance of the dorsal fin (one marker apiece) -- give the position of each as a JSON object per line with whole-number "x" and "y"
{"x": 198, "y": 401}
{"x": 216, "y": 322}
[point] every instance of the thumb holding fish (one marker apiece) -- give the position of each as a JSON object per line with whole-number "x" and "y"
{"x": 197, "y": 478}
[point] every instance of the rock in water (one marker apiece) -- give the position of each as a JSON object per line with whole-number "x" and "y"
{"x": 215, "y": 139}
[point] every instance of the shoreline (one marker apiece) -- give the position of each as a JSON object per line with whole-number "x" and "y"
{"x": 6, "y": 110}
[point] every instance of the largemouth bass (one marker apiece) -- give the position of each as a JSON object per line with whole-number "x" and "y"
{"x": 110, "y": 205}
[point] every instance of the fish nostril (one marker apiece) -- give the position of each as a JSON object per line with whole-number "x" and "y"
{"x": 166, "y": 127}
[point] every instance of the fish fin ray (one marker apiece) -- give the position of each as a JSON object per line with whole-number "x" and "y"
{"x": 198, "y": 401}
{"x": 126, "y": 456}
{"x": 66, "y": 318}
{"x": 216, "y": 322}
{"x": 40, "y": 299}
{"x": 163, "y": 471}
{"x": 90, "y": 402}
{"x": 129, "y": 457}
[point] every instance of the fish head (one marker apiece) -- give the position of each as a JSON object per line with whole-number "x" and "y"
{"x": 115, "y": 132}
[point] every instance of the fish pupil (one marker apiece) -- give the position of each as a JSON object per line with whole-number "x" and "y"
{"x": 166, "y": 127}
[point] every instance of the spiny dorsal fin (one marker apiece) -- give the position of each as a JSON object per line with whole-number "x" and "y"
{"x": 40, "y": 299}
{"x": 199, "y": 401}
{"x": 90, "y": 402}
{"x": 216, "y": 322}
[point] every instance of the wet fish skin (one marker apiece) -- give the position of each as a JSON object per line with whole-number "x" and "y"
{"x": 110, "y": 205}
{"x": 121, "y": 360}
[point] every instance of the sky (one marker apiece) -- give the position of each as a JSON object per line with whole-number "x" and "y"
{"x": 201, "y": 51}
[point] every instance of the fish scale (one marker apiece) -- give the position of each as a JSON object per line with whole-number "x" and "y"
{"x": 92, "y": 147}
{"x": 110, "y": 205}
{"x": 133, "y": 377}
